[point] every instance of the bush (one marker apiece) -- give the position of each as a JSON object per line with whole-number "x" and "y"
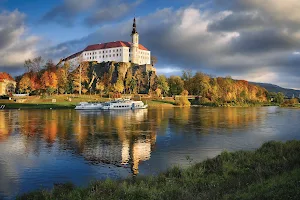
{"x": 291, "y": 102}
{"x": 182, "y": 101}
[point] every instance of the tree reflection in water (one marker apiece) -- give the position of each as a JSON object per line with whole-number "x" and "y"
{"x": 121, "y": 138}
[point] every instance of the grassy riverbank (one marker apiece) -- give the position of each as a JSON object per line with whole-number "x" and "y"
{"x": 271, "y": 172}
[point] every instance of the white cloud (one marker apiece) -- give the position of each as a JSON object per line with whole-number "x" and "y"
{"x": 16, "y": 44}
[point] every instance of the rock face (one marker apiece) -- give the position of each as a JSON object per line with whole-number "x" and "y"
{"x": 136, "y": 78}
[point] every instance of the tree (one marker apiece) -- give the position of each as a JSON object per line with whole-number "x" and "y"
{"x": 162, "y": 84}
{"x": 119, "y": 86}
{"x": 279, "y": 98}
{"x": 158, "y": 92}
{"x": 62, "y": 80}
{"x": 34, "y": 65}
{"x": 153, "y": 60}
{"x": 25, "y": 84}
{"x": 49, "y": 82}
{"x": 132, "y": 86}
{"x": 100, "y": 86}
{"x": 176, "y": 85}
{"x": 80, "y": 76}
{"x": 183, "y": 100}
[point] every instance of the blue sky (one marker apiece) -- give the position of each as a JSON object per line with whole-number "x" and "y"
{"x": 256, "y": 40}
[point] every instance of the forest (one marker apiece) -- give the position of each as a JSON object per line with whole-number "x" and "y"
{"x": 113, "y": 79}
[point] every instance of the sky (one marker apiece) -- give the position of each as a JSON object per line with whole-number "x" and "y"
{"x": 255, "y": 40}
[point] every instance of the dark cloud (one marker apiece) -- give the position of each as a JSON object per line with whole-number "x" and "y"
{"x": 238, "y": 21}
{"x": 10, "y": 24}
{"x": 114, "y": 10}
{"x": 263, "y": 41}
{"x": 67, "y": 12}
{"x": 100, "y": 11}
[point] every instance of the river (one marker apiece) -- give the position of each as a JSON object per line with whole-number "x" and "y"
{"x": 39, "y": 148}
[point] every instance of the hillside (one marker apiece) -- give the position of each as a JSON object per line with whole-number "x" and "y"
{"x": 276, "y": 88}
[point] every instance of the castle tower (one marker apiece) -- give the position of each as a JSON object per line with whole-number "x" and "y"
{"x": 135, "y": 44}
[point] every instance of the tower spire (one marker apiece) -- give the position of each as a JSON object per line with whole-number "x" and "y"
{"x": 134, "y": 27}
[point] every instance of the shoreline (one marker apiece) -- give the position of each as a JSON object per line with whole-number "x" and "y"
{"x": 151, "y": 104}
{"x": 270, "y": 172}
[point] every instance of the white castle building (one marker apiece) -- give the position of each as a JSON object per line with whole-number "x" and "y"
{"x": 118, "y": 51}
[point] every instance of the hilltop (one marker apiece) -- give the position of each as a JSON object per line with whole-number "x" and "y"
{"x": 275, "y": 88}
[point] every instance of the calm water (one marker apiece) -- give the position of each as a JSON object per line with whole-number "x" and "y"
{"x": 39, "y": 148}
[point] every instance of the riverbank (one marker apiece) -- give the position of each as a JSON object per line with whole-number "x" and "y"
{"x": 270, "y": 172}
{"x": 69, "y": 105}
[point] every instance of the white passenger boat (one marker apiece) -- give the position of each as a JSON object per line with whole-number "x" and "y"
{"x": 88, "y": 106}
{"x": 123, "y": 104}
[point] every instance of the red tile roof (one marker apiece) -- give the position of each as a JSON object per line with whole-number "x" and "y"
{"x": 112, "y": 45}
{"x": 105, "y": 46}
{"x": 5, "y": 76}
{"x": 72, "y": 56}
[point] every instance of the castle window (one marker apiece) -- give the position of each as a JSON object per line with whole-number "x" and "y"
{"x": 117, "y": 54}
{"x": 103, "y": 56}
{"x": 113, "y": 55}
{"x": 109, "y": 51}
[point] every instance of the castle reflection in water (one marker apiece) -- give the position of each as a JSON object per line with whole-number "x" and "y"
{"x": 120, "y": 138}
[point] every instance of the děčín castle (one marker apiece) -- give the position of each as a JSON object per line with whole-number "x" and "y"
{"x": 117, "y": 51}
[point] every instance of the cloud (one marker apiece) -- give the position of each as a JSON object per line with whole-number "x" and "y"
{"x": 15, "y": 44}
{"x": 114, "y": 10}
{"x": 245, "y": 39}
{"x": 66, "y": 12}
{"x": 101, "y": 11}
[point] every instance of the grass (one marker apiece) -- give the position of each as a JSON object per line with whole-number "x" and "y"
{"x": 270, "y": 172}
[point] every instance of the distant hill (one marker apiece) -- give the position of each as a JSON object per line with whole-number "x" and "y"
{"x": 276, "y": 88}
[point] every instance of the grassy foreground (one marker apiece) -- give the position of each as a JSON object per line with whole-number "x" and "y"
{"x": 271, "y": 172}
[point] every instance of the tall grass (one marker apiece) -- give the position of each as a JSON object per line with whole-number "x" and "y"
{"x": 270, "y": 172}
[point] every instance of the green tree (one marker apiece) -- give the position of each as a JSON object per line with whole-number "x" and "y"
{"x": 162, "y": 84}
{"x": 279, "y": 98}
{"x": 176, "y": 85}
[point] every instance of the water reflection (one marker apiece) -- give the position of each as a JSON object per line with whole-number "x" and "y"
{"x": 120, "y": 139}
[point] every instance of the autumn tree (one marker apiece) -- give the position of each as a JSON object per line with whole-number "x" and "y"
{"x": 100, "y": 86}
{"x": 62, "y": 80}
{"x": 49, "y": 81}
{"x": 183, "y": 99}
{"x": 25, "y": 84}
{"x": 162, "y": 84}
{"x": 80, "y": 76}
{"x": 119, "y": 86}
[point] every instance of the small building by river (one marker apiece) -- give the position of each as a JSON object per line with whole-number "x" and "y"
{"x": 7, "y": 84}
